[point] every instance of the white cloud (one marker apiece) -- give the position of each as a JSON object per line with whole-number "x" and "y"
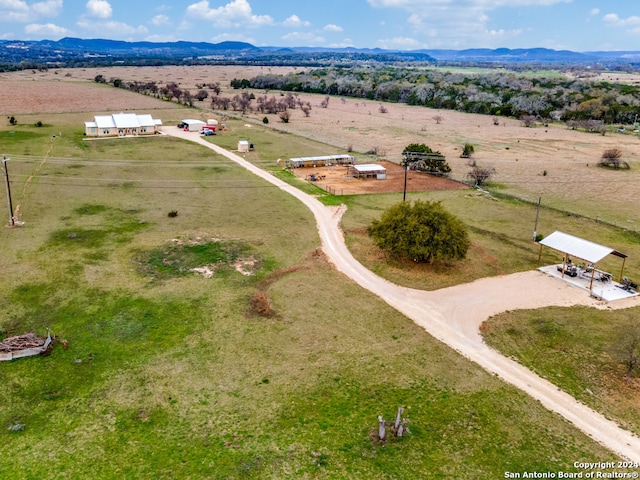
{"x": 306, "y": 37}
{"x": 160, "y": 38}
{"x": 49, "y": 8}
{"x": 613, "y": 20}
{"x": 595, "y": 11}
{"x": 458, "y": 23}
{"x": 332, "y": 28}
{"x": 484, "y": 4}
{"x": 347, "y": 42}
{"x": 232, "y": 37}
{"x": 47, "y": 30}
{"x": 400, "y": 43}
{"x": 237, "y": 13}
{"x": 295, "y": 21}
{"x": 99, "y": 9}
{"x": 21, "y": 11}
{"x": 112, "y": 29}
{"x": 159, "y": 20}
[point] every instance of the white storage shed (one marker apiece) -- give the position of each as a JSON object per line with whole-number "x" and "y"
{"x": 243, "y": 146}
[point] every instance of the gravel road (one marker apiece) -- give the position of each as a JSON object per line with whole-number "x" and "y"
{"x": 454, "y": 315}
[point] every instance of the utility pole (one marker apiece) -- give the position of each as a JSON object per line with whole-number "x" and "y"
{"x": 535, "y": 228}
{"x": 404, "y": 194}
{"x": 6, "y": 174}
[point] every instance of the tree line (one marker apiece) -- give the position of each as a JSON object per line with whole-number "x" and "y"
{"x": 552, "y": 98}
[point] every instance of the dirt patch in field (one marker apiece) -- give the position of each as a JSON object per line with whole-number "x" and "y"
{"x": 337, "y": 180}
{"x": 50, "y": 96}
{"x": 75, "y": 90}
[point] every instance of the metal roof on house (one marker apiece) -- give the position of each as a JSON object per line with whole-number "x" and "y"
{"x": 578, "y": 247}
{"x": 124, "y": 120}
{"x": 146, "y": 120}
{"x": 105, "y": 121}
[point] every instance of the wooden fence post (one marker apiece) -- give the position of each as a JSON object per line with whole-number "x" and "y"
{"x": 381, "y": 428}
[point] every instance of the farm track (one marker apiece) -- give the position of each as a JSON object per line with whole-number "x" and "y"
{"x": 454, "y": 315}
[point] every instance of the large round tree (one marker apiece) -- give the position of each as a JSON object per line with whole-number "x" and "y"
{"x": 423, "y": 232}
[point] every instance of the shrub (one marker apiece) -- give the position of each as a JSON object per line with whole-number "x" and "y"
{"x": 261, "y": 305}
{"x": 467, "y": 151}
{"x": 423, "y": 232}
{"x": 612, "y": 158}
{"x": 285, "y": 116}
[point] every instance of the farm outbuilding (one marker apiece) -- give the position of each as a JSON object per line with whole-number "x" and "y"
{"x": 243, "y": 146}
{"x": 587, "y": 275}
{"x": 122, "y": 124}
{"x": 368, "y": 170}
{"x": 192, "y": 125}
{"x": 322, "y": 161}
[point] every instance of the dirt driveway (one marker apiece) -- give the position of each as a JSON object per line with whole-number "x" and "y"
{"x": 454, "y": 315}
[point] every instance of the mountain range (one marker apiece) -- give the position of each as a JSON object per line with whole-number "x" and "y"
{"x": 75, "y": 51}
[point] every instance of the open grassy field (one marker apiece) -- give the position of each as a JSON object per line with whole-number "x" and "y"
{"x": 578, "y": 349}
{"x": 172, "y": 375}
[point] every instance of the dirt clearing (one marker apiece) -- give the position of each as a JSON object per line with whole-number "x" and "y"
{"x": 337, "y": 180}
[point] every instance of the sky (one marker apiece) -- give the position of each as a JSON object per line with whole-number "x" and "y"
{"x": 578, "y": 25}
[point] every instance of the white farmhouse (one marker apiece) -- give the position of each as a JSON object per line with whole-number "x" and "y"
{"x": 122, "y": 124}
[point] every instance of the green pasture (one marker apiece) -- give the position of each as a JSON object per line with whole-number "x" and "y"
{"x": 169, "y": 375}
{"x": 579, "y": 350}
{"x": 501, "y": 233}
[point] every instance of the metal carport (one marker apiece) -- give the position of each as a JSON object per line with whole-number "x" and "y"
{"x": 572, "y": 246}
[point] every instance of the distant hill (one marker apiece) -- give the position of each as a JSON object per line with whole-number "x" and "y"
{"x": 113, "y": 47}
{"x": 17, "y": 54}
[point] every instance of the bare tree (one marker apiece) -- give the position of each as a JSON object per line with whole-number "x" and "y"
{"x": 220, "y": 102}
{"x": 438, "y": 119}
{"x": 325, "y": 102}
{"x": 290, "y": 100}
{"x": 612, "y": 158}
{"x": 480, "y": 175}
{"x": 285, "y": 116}
{"x": 187, "y": 98}
{"x": 528, "y": 120}
{"x": 306, "y": 109}
{"x": 215, "y": 87}
{"x": 382, "y": 109}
